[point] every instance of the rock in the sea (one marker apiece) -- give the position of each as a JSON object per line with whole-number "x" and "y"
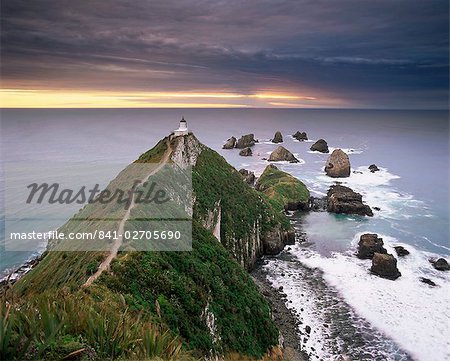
{"x": 373, "y": 168}
{"x": 320, "y": 146}
{"x": 249, "y": 177}
{"x": 282, "y": 154}
{"x": 230, "y": 144}
{"x": 277, "y": 138}
{"x": 341, "y": 199}
{"x": 401, "y": 251}
{"x": 428, "y": 281}
{"x": 338, "y": 164}
{"x": 300, "y": 136}
{"x": 369, "y": 244}
{"x": 441, "y": 264}
{"x": 385, "y": 265}
{"x": 246, "y": 152}
{"x": 245, "y": 141}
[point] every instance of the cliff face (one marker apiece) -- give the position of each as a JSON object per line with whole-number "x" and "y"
{"x": 248, "y": 225}
{"x": 203, "y": 295}
{"x": 186, "y": 150}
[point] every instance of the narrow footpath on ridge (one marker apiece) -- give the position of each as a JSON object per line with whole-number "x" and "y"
{"x": 118, "y": 243}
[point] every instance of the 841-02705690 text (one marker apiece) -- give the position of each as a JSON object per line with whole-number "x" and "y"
{"x": 99, "y": 234}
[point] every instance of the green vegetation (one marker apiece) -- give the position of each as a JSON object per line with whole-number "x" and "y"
{"x": 59, "y": 269}
{"x": 155, "y": 154}
{"x": 151, "y": 304}
{"x": 282, "y": 188}
{"x": 183, "y": 284}
{"x": 215, "y": 180}
{"x": 82, "y": 326}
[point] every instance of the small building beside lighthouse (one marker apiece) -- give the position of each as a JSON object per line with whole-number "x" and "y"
{"x": 183, "y": 129}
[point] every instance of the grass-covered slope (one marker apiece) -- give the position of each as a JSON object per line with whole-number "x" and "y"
{"x": 246, "y": 216}
{"x": 204, "y": 297}
{"x": 71, "y": 269}
{"x": 92, "y": 324}
{"x": 284, "y": 190}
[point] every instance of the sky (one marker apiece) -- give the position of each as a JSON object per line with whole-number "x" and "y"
{"x": 207, "y": 53}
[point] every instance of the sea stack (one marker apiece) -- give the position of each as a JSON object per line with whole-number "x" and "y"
{"x": 277, "y": 138}
{"x": 320, "y": 146}
{"x": 341, "y": 199}
{"x": 441, "y": 264}
{"x": 369, "y": 244}
{"x": 245, "y": 141}
{"x": 300, "y": 136}
{"x": 282, "y": 154}
{"x": 246, "y": 152}
{"x": 230, "y": 144}
{"x": 338, "y": 164}
{"x": 385, "y": 265}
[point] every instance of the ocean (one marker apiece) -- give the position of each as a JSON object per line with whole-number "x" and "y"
{"x": 349, "y": 310}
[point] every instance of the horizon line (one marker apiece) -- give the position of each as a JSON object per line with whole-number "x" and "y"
{"x": 228, "y": 108}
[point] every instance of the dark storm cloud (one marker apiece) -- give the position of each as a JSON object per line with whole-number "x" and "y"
{"x": 373, "y": 53}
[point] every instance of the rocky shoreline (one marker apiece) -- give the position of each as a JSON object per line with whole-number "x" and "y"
{"x": 19, "y": 272}
{"x": 284, "y": 317}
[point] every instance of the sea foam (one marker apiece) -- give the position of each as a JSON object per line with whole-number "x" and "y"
{"x": 402, "y": 308}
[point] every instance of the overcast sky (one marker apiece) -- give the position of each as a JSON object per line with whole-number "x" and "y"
{"x": 373, "y": 54}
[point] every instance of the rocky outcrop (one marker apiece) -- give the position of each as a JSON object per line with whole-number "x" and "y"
{"x": 186, "y": 150}
{"x": 441, "y": 264}
{"x": 245, "y": 141}
{"x": 338, "y": 164}
{"x": 249, "y": 177}
{"x": 282, "y": 154}
{"x": 401, "y": 251}
{"x": 246, "y": 152}
{"x": 212, "y": 220}
{"x": 373, "y": 168}
{"x": 275, "y": 240}
{"x": 369, "y": 244}
{"x": 295, "y": 206}
{"x": 301, "y": 136}
{"x": 277, "y": 138}
{"x": 427, "y": 281}
{"x": 385, "y": 265}
{"x": 320, "y": 146}
{"x": 230, "y": 144}
{"x": 342, "y": 199}
{"x": 286, "y": 191}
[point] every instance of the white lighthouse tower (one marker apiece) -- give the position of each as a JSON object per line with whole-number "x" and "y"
{"x": 183, "y": 129}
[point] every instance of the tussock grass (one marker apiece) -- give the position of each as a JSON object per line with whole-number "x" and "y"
{"x": 77, "y": 327}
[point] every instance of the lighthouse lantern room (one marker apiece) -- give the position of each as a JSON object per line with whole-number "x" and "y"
{"x": 183, "y": 129}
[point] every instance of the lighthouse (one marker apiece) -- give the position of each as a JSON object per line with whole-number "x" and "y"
{"x": 183, "y": 129}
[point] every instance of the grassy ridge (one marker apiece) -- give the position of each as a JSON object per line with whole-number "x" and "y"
{"x": 215, "y": 180}
{"x": 182, "y": 284}
{"x": 179, "y": 291}
{"x": 282, "y": 188}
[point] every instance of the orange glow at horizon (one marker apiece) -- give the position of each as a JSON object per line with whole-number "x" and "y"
{"x": 36, "y": 98}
